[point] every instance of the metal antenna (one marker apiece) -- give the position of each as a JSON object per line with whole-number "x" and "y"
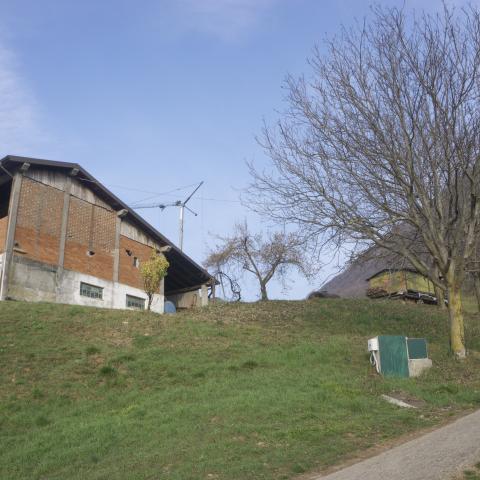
{"x": 178, "y": 203}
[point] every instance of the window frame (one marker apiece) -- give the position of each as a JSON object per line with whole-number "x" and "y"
{"x": 139, "y": 305}
{"x": 91, "y": 289}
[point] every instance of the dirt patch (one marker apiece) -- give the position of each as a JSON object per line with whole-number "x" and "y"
{"x": 408, "y": 398}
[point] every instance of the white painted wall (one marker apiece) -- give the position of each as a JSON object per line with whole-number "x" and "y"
{"x": 192, "y": 299}
{"x": 2, "y": 256}
{"x": 186, "y": 299}
{"x": 36, "y": 282}
{"x": 114, "y": 294}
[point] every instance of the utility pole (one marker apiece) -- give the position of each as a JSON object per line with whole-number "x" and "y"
{"x": 182, "y": 214}
{"x": 182, "y": 205}
{"x": 180, "y": 232}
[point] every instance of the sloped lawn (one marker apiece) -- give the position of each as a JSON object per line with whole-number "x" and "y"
{"x": 250, "y": 391}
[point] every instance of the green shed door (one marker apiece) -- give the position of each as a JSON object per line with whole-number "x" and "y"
{"x": 393, "y": 355}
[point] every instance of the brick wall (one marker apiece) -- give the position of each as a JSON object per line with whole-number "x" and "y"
{"x": 129, "y": 249}
{"x": 90, "y": 240}
{"x": 3, "y": 233}
{"x": 38, "y": 221}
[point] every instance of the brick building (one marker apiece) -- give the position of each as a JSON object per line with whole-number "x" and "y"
{"x": 65, "y": 238}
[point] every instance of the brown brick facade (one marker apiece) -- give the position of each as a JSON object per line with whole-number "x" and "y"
{"x": 3, "y": 233}
{"x": 129, "y": 250}
{"x": 90, "y": 240}
{"x": 90, "y": 235}
{"x": 38, "y": 221}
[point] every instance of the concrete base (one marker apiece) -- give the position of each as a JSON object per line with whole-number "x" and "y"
{"x": 397, "y": 402}
{"x": 2, "y": 256}
{"x": 418, "y": 366}
{"x": 37, "y": 282}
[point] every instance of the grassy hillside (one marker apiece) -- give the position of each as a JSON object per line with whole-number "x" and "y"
{"x": 254, "y": 391}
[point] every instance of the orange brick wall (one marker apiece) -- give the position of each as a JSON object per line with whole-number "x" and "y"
{"x": 90, "y": 228}
{"x": 43, "y": 248}
{"x": 128, "y": 273}
{"x": 3, "y": 233}
{"x": 39, "y": 221}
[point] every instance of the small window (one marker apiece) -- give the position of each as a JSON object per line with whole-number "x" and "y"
{"x": 135, "y": 302}
{"x": 136, "y": 262}
{"x": 91, "y": 291}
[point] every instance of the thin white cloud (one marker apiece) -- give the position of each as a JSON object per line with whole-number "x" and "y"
{"x": 225, "y": 19}
{"x": 20, "y": 132}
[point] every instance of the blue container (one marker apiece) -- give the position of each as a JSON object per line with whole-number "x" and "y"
{"x": 170, "y": 307}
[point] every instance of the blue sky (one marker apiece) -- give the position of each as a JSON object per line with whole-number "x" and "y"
{"x": 151, "y": 96}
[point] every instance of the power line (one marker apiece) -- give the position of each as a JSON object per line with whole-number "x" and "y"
{"x": 224, "y": 200}
{"x": 220, "y": 200}
{"x": 168, "y": 193}
{"x": 178, "y": 203}
{"x": 139, "y": 190}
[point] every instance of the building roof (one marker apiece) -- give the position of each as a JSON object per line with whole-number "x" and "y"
{"x": 390, "y": 270}
{"x": 184, "y": 274}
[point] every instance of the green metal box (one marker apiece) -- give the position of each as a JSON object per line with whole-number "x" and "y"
{"x": 393, "y": 355}
{"x": 399, "y": 356}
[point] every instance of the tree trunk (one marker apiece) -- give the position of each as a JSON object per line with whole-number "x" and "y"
{"x": 476, "y": 284}
{"x": 457, "y": 331}
{"x": 440, "y": 297}
{"x": 263, "y": 291}
{"x": 150, "y": 299}
{"x": 439, "y": 292}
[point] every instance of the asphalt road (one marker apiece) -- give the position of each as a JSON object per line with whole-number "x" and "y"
{"x": 438, "y": 455}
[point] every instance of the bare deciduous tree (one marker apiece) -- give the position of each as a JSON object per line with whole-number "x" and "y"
{"x": 385, "y": 136}
{"x": 265, "y": 258}
{"x": 473, "y": 270}
{"x": 235, "y": 294}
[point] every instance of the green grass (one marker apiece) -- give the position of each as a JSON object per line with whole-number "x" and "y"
{"x": 251, "y": 391}
{"x": 471, "y": 474}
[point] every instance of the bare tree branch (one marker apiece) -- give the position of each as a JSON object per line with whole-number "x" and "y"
{"x": 381, "y": 145}
{"x": 265, "y": 258}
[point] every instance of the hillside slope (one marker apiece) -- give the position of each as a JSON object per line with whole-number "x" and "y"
{"x": 244, "y": 391}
